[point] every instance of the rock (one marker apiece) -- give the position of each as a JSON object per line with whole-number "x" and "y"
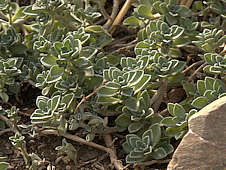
{"x": 204, "y": 146}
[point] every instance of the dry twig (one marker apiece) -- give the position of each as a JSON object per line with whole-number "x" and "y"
{"x": 110, "y": 144}
{"x": 10, "y": 124}
{"x": 114, "y": 12}
{"x": 187, "y": 3}
{"x": 193, "y": 65}
{"x": 75, "y": 138}
{"x": 121, "y": 14}
{"x": 5, "y": 131}
{"x": 84, "y": 99}
{"x": 156, "y": 100}
{"x": 196, "y": 71}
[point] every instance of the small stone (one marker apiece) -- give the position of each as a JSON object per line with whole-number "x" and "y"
{"x": 204, "y": 146}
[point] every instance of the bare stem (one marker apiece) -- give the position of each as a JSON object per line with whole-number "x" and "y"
{"x": 121, "y": 14}
{"x": 10, "y": 124}
{"x": 110, "y": 144}
{"x": 193, "y": 65}
{"x": 156, "y": 100}
{"x": 108, "y": 141}
{"x": 198, "y": 70}
{"x": 84, "y": 99}
{"x": 77, "y": 139}
{"x": 5, "y": 131}
{"x": 114, "y": 12}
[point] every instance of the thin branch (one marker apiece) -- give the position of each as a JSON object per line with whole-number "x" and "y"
{"x": 127, "y": 44}
{"x": 10, "y": 105}
{"x": 5, "y": 131}
{"x": 110, "y": 144}
{"x": 114, "y": 12}
{"x": 77, "y": 139}
{"x": 188, "y": 4}
{"x": 164, "y": 112}
{"x": 117, "y": 41}
{"x": 193, "y": 65}
{"x": 156, "y": 100}
{"x": 84, "y": 99}
{"x": 121, "y": 14}
{"x": 123, "y": 48}
{"x": 10, "y": 124}
{"x": 196, "y": 71}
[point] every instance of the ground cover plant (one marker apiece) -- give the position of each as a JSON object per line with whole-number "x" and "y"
{"x": 121, "y": 77}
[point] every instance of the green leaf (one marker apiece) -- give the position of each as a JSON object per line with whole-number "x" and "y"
{"x": 179, "y": 111}
{"x": 55, "y": 101}
{"x": 198, "y": 5}
{"x": 135, "y": 126}
{"x": 126, "y": 147}
{"x": 18, "y": 49}
{"x": 49, "y": 60}
{"x": 4, "y": 97}
{"x": 201, "y": 87}
{"x": 168, "y": 121}
{"x": 156, "y": 134}
{"x": 123, "y": 120}
{"x": 55, "y": 74}
{"x": 167, "y": 147}
{"x": 159, "y": 153}
{"x": 200, "y": 102}
{"x": 130, "y": 159}
{"x": 132, "y": 21}
{"x": 110, "y": 89}
{"x": 4, "y": 165}
{"x": 191, "y": 112}
{"x": 46, "y": 90}
{"x": 126, "y": 91}
{"x": 131, "y": 139}
{"x": 94, "y": 29}
{"x": 142, "y": 83}
{"x": 108, "y": 100}
{"x": 209, "y": 82}
{"x": 184, "y": 11}
{"x": 132, "y": 104}
{"x": 172, "y": 131}
{"x": 136, "y": 78}
{"x": 189, "y": 88}
{"x": 145, "y": 11}
{"x": 170, "y": 108}
{"x": 181, "y": 41}
{"x": 67, "y": 99}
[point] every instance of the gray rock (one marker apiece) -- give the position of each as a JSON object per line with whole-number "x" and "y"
{"x": 204, "y": 146}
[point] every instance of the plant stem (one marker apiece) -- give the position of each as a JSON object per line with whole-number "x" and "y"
{"x": 196, "y": 71}
{"x": 110, "y": 144}
{"x": 5, "y": 131}
{"x": 156, "y": 100}
{"x": 10, "y": 124}
{"x": 193, "y": 65}
{"x": 77, "y": 139}
{"x": 121, "y": 14}
{"x": 114, "y": 12}
{"x": 84, "y": 99}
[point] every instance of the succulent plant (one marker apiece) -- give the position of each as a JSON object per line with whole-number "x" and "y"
{"x": 146, "y": 147}
{"x": 177, "y": 123}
